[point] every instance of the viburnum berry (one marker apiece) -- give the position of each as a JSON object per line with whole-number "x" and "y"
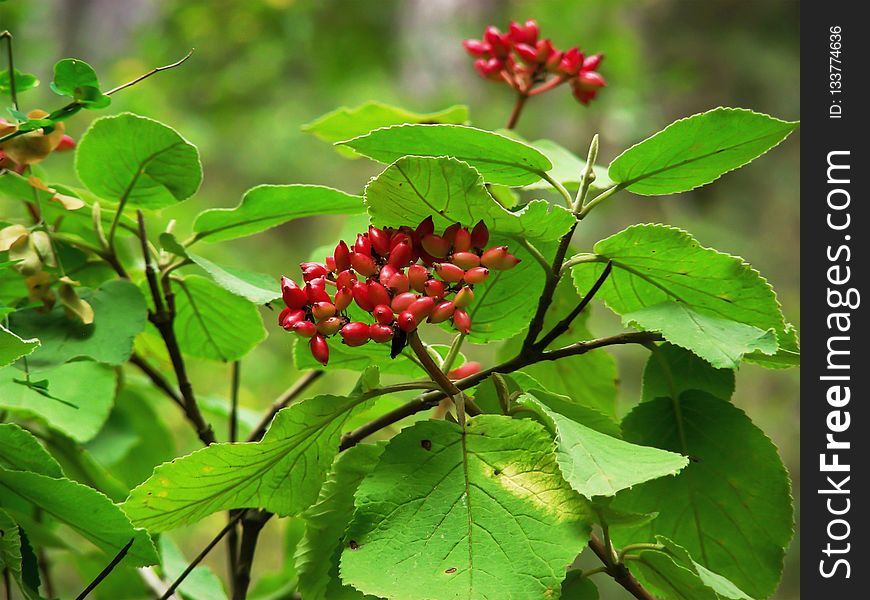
{"x": 531, "y": 65}
{"x": 401, "y": 276}
{"x": 466, "y": 370}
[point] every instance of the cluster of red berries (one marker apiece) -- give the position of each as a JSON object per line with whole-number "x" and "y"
{"x": 400, "y": 276}
{"x": 531, "y": 65}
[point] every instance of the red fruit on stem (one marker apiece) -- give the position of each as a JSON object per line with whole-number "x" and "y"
{"x": 291, "y": 318}
{"x": 591, "y": 63}
{"x": 355, "y": 333}
{"x": 315, "y": 290}
{"x": 435, "y": 245}
{"x": 306, "y": 329}
{"x": 386, "y": 272}
{"x": 312, "y": 270}
{"x": 403, "y": 301}
{"x": 378, "y": 294}
{"x": 572, "y": 61}
{"x": 489, "y": 69}
{"x": 468, "y": 369}
{"x": 322, "y": 310}
{"x": 421, "y": 307}
{"x": 363, "y": 264}
{"x": 319, "y": 349}
{"x": 66, "y": 143}
{"x": 407, "y": 321}
{"x": 283, "y": 315}
{"x": 342, "y": 257}
{"x": 345, "y": 279}
{"x": 461, "y": 321}
{"x": 462, "y": 240}
{"x": 590, "y": 80}
{"x": 294, "y": 296}
{"x": 442, "y": 312}
{"x": 476, "y": 47}
{"x": 417, "y": 277}
{"x": 380, "y": 333}
{"x": 465, "y": 260}
{"x": 400, "y": 255}
{"x": 449, "y": 272}
{"x": 362, "y": 245}
{"x": 464, "y": 297}
{"x": 476, "y": 275}
{"x": 330, "y": 326}
{"x": 527, "y": 53}
{"x": 426, "y": 227}
{"x": 480, "y": 235}
{"x": 398, "y": 283}
{"x": 383, "y": 314}
{"x": 380, "y": 241}
{"x": 498, "y": 42}
{"x": 343, "y": 298}
{"x": 330, "y": 264}
{"x": 450, "y": 232}
{"x": 523, "y": 34}
{"x": 400, "y": 237}
{"x": 361, "y": 295}
{"x": 435, "y": 289}
{"x": 499, "y": 258}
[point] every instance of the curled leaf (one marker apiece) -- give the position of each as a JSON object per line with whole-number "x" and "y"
{"x": 33, "y": 146}
{"x": 9, "y": 235}
{"x": 75, "y": 306}
{"x": 39, "y": 289}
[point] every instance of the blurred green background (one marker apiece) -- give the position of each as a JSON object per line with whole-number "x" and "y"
{"x": 263, "y": 68}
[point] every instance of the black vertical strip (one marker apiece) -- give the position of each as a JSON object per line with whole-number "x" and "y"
{"x": 834, "y": 261}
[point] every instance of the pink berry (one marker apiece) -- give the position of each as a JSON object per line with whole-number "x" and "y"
{"x": 380, "y": 333}
{"x": 442, "y": 312}
{"x": 355, "y": 333}
{"x": 449, "y": 272}
{"x": 403, "y": 301}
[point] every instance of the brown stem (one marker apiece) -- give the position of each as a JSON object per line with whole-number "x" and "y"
{"x": 517, "y": 110}
{"x": 252, "y": 525}
{"x": 438, "y": 376}
{"x": 156, "y": 378}
{"x": 619, "y": 571}
{"x": 286, "y": 398}
{"x": 105, "y": 572}
{"x": 232, "y": 434}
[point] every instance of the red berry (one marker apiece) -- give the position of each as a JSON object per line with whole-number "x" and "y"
{"x": 421, "y": 307}
{"x": 294, "y": 296}
{"x": 342, "y": 257}
{"x": 462, "y": 240}
{"x": 378, "y": 294}
{"x": 449, "y": 272}
{"x": 435, "y": 245}
{"x": 476, "y": 275}
{"x": 361, "y": 295}
{"x": 499, "y": 258}
{"x": 442, "y": 312}
{"x": 363, "y": 264}
{"x": 400, "y": 255}
{"x": 380, "y": 333}
{"x": 435, "y": 289}
{"x": 398, "y": 283}
{"x": 330, "y": 264}
{"x": 291, "y": 318}
{"x": 363, "y": 245}
{"x": 330, "y": 326}
{"x": 461, "y": 321}
{"x": 500, "y": 43}
{"x": 66, "y": 143}
{"x": 319, "y": 349}
{"x": 489, "y": 69}
{"x": 386, "y": 272}
{"x": 465, "y": 260}
{"x": 312, "y": 270}
{"x": 464, "y": 297}
{"x": 306, "y": 329}
{"x": 343, "y": 298}
{"x": 383, "y": 314}
{"x": 322, "y": 310}
{"x": 450, "y": 233}
{"x": 590, "y": 80}
{"x": 523, "y": 34}
{"x": 572, "y": 61}
{"x": 527, "y": 53}
{"x": 355, "y": 333}
{"x": 380, "y": 241}
{"x": 398, "y": 238}
{"x": 403, "y": 301}
{"x": 315, "y": 290}
{"x": 345, "y": 279}
{"x": 480, "y": 235}
{"x": 417, "y": 277}
{"x": 426, "y": 227}
{"x": 466, "y": 370}
{"x": 591, "y": 63}
{"x": 476, "y": 47}
{"x": 407, "y": 321}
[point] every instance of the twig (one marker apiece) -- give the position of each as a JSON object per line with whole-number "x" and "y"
{"x": 618, "y": 571}
{"x": 438, "y": 376}
{"x": 599, "y": 199}
{"x": 563, "y": 325}
{"x": 235, "y": 382}
{"x": 517, "y": 109}
{"x": 199, "y": 558}
{"x": 149, "y": 74}
{"x": 156, "y": 378}
{"x": 455, "y": 347}
{"x": 7, "y": 35}
{"x": 536, "y": 254}
{"x": 252, "y": 525}
{"x": 283, "y": 400}
{"x": 105, "y": 572}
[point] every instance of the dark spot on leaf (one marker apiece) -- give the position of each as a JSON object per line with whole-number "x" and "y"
{"x": 427, "y": 444}
{"x": 451, "y": 570}
{"x": 496, "y": 472}
{"x": 353, "y": 545}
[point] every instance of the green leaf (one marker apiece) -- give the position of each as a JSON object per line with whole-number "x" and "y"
{"x": 589, "y": 380}
{"x": 670, "y": 370}
{"x": 697, "y": 150}
{"x": 318, "y": 552}
{"x": 21, "y": 451}
{"x": 499, "y": 159}
{"x": 258, "y": 288}
{"x": 596, "y": 464}
{"x": 119, "y": 315}
{"x": 282, "y": 473}
{"x": 450, "y": 191}
{"x": 656, "y": 263}
{"x": 23, "y": 82}
{"x": 344, "y": 123}
{"x": 480, "y": 514}
{"x": 212, "y": 323}
{"x": 731, "y": 507}
{"x": 721, "y": 342}
{"x": 158, "y": 170}
{"x": 91, "y": 514}
{"x": 788, "y": 355}
{"x": 267, "y": 206}
{"x": 13, "y": 347}
{"x": 578, "y": 587}
{"x": 78, "y": 80}
{"x": 74, "y": 398}
{"x": 16, "y": 558}
{"x": 78, "y": 465}
{"x": 200, "y": 584}
{"x": 567, "y": 168}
